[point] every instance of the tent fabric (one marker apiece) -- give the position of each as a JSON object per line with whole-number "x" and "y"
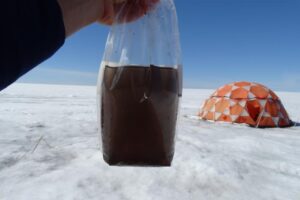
{"x": 244, "y": 102}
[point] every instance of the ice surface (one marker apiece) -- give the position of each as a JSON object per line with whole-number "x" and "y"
{"x": 49, "y": 149}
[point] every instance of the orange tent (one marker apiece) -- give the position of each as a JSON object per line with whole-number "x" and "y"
{"x": 245, "y": 102}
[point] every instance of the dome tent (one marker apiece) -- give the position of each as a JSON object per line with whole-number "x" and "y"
{"x": 245, "y": 102}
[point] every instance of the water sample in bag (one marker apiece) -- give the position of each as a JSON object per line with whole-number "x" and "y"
{"x": 140, "y": 86}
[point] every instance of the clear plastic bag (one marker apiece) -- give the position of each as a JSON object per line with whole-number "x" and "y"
{"x": 139, "y": 88}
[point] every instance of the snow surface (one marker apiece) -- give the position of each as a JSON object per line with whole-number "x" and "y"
{"x": 212, "y": 161}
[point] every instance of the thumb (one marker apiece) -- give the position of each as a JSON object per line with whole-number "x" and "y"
{"x": 107, "y": 16}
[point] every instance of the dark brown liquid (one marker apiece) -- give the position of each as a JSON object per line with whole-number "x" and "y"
{"x": 139, "y": 114}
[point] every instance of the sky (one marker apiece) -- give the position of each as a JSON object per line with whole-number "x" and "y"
{"x": 222, "y": 41}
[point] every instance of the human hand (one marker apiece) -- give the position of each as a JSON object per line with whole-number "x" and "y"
{"x": 122, "y": 11}
{"x": 80, "y": 13}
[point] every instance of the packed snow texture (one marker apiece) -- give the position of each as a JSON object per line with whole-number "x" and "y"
{"x": 49, "y": 149}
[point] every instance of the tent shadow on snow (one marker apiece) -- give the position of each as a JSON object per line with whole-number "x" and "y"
{"x": 246, "y": 103}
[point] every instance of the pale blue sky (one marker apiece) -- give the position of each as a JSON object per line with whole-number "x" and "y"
{"x": 222, "y": 41}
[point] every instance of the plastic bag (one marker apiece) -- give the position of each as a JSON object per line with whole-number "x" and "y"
{"x": 140, "y": 86}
